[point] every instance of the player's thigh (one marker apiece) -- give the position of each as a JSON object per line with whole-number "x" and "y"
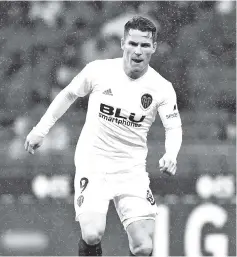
{"x": 141, "y": 233}
{"x": 135, "y": 200}
{"x": 134, "y": 208}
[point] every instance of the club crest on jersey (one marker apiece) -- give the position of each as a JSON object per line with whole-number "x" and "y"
{"x": 150, "y": 197}
{"x": 146, "y": 101}
{"x": 80, "y": 200}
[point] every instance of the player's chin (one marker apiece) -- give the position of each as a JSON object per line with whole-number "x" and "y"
{"x": 137, "y": 68}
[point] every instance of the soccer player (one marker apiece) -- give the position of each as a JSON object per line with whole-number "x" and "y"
{"x": 110, "y": 159}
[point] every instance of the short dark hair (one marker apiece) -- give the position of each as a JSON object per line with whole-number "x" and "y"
{"x": 141, "y": 23}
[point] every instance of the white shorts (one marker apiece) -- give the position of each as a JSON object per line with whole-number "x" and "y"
{"x": 129, "y": 190}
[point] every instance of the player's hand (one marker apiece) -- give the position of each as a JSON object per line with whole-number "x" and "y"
{"x": 32, "y": 142}
{"x": 168, "y": 164}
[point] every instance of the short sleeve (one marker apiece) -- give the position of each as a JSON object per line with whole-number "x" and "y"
{"x": 81, "y": 85}
{"x": 168, "y": 109}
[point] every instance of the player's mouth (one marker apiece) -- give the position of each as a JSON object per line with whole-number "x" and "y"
{"x": 137, "y": 60}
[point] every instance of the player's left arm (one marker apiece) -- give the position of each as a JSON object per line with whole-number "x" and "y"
{"x": 170, "y": 117}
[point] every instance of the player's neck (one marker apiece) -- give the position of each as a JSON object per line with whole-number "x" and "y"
{"x": 133, "y": 74}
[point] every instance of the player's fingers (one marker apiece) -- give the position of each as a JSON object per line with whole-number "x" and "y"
{"x": 166, "y": 166}
{"x": 161, "y": 163}
{"x": 29, "y": 148}
{"x": 36, "y": 146}
{"x": 170, "y": 166}
{"x": 167, "y": 173}
{"x": 162, "y": 168}
{"x": 26, "y": 145}
{"x": 173, "y": 170}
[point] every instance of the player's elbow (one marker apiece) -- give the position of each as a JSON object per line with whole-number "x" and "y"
{"x": 174, "y": 130}
{"x": 70, "y": 95}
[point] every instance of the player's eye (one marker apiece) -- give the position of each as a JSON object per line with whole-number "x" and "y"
{"x": 132, "y": 43}
{"x": 146, "y": 45}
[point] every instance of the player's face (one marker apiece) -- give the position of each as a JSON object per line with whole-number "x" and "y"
{"x": 138, "y": 47}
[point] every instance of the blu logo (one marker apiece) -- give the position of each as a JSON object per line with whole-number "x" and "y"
{"x": 116, "y": 112}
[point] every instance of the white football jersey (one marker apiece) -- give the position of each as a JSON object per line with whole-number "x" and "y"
{"x": 121, "y": 111}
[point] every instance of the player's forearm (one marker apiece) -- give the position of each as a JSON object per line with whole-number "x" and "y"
{"x": 56, "y": 109}
{"x": 173, "y": 141}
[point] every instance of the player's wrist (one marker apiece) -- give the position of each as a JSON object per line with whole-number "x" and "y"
{"x": 36, "y": 131}
{"x": 171, "y": 155}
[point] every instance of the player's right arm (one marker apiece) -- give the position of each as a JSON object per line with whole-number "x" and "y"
{"x": 79, "y": 87}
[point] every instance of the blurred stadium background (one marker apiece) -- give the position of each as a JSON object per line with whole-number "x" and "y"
{"x": 42, "y": 46}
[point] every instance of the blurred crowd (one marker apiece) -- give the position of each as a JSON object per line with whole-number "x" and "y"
{"x": 43, "y": 45}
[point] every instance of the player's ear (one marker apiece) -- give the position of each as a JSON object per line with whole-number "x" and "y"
{"x": 154, "y": 47}
{"x": 122, "y": 43}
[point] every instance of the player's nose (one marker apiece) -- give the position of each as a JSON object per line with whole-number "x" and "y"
{"x": 138, "y": 51}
